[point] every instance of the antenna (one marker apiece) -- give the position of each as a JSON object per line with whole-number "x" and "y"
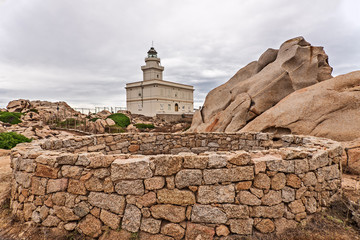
{"x": 152, "y": 43}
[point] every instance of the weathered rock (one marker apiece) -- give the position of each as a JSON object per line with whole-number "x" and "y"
{"x": 236, "y": 211}
{"x": 65, "y": 214}
{"x": 131, "y": 219}
{"x": 216, "y": 194}
{"x": 272, "y": 198}
{"x": 207, "y": 214}
{"x": 130, "y": 187}
{"x": 77, "y": 187}
{"x": 328, "y": 173}
{"x": 262, "y": 181}
{"x": 38, "y": 186}
{"x": 112, "y": 202}
{"x": 57, "y": 185}
{"x": 175, "y": 196}
{"x": 173, "y": 230}
{"x": 147, "y": 199}
{"x": 248, "y": 198}
{"x": 110, "y": 219}
{"x": 265, "y": 226}
{"x": 222, "y": 230}
{"x": 288, "y": 194}
{"x": 116, "y": 235}
{"x": 282, "y": 224}
{"x": 303, "y": 111}
{"x": 71, "y": 171}
{"x": 260, "y": 85}
{"x": 293, "y": 181}
{"x": 154, "y": 183}
{"x": 275, "y": 211}
{"x": 168, "y": 212}
{"x": 241, "y": 226}
{"x": 278, "y": 181}
{"x": 81, "y": 209}
{"x": 240, "y": 158}
{"x": 46, "y": 171}
{"x": 198, "y": 231}
{"x": 297, "y": 206}
{"x": 128, "y": 169}
{"x": 51, "y": 221}
{"x": 188, "y": 177}
{"x": 90, "y": 226}
{"x": 150, "y": 225}
{"x": 167, "y": 165}
{"x": 212, "y": 176}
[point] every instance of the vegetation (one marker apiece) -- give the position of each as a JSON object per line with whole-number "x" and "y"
{"x": 70, "y": 122}
{"x": 120, "y": 119}
{"x": 94, "y": 119}
{"x": 9, "y": 140}
{"x": 10, "y": 117}
{"x": 143, "y": 125}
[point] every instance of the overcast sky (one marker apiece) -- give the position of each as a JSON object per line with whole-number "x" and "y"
{"x": 85, "y": 51}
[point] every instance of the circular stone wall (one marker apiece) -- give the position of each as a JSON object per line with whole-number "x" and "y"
{"x": 168, "y": 186}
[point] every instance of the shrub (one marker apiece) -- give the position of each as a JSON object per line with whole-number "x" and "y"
{"x": 34, "y": 110}
{"x": 120, "y": 119}
{"x": 143, "y": 125}
{"x": 9, "y": 140}
{"x": 10, "y": 117}
{"x": 94, "y": 119}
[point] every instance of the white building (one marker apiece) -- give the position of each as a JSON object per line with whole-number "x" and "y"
{"x": 154, "y": 96}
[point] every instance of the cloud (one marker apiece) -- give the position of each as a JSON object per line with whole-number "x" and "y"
{"x": 84, "y": 52}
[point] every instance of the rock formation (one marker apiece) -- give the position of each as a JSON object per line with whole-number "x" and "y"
{"x": 262, "y": 84}
{"x": 328, "y": 109}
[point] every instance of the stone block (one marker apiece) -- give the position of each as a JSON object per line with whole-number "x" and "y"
{"x": 275, "y": 211}
{"x": 173, "y": 230}
{"x": 66, "y": 214}
{"x": 27, "y": 165}
{"x": 112, "y": 202}
{"x": 212, "y": 176}
{"x": 271, "y": 198}
{"x": 24, "y": 179}
{"x": 146, "y": 200}
{"x": 236, "y": 211}
{"x": 240, "y": 158}
{"x": 175, "y": 196}
{"x": 94, "y": 184}
{"x": 57, "y": 185}
{"x": 288, "y": 194}
{"x": 278, "y": 181}
{"x": 217, "y": 161}
{"x": 67, "y": 159}
{"x": 207, "y": 214}
{"x": 132, "y": 218}
{"x": 301, "y": 166}
{"x": 329, "y": 172}
{"x": 222, "y": 230}
{"x": 188, "y": 177}
{"x": 76, "y": 187}
{"x": 216, "y": 194}
{"x": 38, "y": 185}
{"x": 166, "y": 165}
{"x": 51, "y": 221}
{"x": 130, "y": 187}
{"x": 46, "y": 171}
{"x": 71, "y": 171}
{"x": 248, "y": 198}
{"x": 154, "y": 183}
{"x": 286, "y": 166}
{"x": 265, "y": 226}
{"x": 283, "y": 224}
{"x": 150, "y": 225}
{"x": 319, "y": 159}
{"x": 293, "y": 181}
{"x": 81, "y": 209}
{"x": 297, "y": 206}
{"x": 168, "y": 212}
{"x": 310, "y": 179}
{"x": 262, "y": 181}
{"x": 129, "y": 169}
{"x": 198, "y": 231}
{"x": 243, "y": 185}
{"x": 241, "y": 226}
{"x": 100, "y": 161}
{"x": 90, "y": 226}
{"x": 195, "y": 161}
{"x": 110, "y": 219}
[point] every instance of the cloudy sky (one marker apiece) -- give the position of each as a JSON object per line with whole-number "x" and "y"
{"x": 85, "y": 51}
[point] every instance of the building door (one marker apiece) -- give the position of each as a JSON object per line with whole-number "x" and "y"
{"x": 176, "y": 107}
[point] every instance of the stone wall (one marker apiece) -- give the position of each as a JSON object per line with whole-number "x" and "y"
{"x": 214, "y": 191}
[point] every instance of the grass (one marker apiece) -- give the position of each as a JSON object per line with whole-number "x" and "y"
{"x": 143, "y": 125}
{"x": 10, "y": 117}
{"x": 9, "y": 140}
{"x": 120, "y": 119}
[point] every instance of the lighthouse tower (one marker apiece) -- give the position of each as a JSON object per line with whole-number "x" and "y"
{"x": 152, "y": 69}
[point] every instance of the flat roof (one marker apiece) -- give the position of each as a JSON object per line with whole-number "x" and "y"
{"x": 160, "y": 82}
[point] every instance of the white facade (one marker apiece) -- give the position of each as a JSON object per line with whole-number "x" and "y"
{"x": 154, "y": 95}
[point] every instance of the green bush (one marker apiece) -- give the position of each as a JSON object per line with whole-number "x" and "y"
{"x": 120, "y": 119}
{"x": 10, "y": 117}
{"x": 9, "y": 140}
{"x": 143, "y": 125}
{"x": 34, "y": 110}
{"x": 94, "y": 119}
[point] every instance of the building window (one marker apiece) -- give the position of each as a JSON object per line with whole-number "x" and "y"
{"x": 169, "y": 106}
{"x": 157, "y": 76}
{"x": 176, "y": 107}
{"x": 139, "y": 94}
{"x": 161, "y": 106}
